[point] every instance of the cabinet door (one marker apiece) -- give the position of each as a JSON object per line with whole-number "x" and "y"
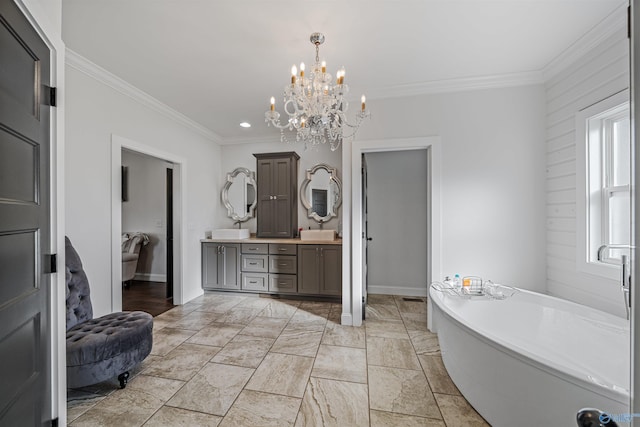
{"x": 277, "y": 174}
{"x": 229, "y": 266}
{"x": 266, "y": 206}
{"x": 308, "y": 269}
{"x": 331, "y": 266}
{"x": 282, "y": 191}
{"x": 210, "y": 265}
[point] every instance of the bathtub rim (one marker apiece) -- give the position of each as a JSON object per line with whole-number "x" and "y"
{"x": 573, "y": 376}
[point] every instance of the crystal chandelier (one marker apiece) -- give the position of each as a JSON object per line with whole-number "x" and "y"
{"x": 316, "y": 105}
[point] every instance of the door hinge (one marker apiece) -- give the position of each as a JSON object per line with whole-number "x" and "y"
{"x": 50, "y": 263}
{"x": 629, "y": 22}
{"x": 50, "y": 96}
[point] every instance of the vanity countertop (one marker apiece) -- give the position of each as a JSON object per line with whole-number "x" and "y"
{"x": 296, "y": 241}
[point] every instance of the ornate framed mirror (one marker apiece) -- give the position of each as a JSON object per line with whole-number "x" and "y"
{"x": 239, "y": 194}
{"x": 321, "y": 192}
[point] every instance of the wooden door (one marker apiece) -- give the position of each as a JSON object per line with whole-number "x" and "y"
{"x": 210, "y": 254}
{"x": 281, "y": 188}
{"x": 265, "y": 212}
{"x": 25, "y": 285}
{"x": 331, "y": 269}
{"x": 308, "y": 269}
{"x": 229, "y": 266}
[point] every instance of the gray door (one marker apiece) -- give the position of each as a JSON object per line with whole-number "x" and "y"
{"x": 365, "y": 238}
{"x": 25, "y": 385}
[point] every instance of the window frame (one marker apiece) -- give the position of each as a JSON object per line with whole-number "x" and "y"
{"x": 593, "y": 206}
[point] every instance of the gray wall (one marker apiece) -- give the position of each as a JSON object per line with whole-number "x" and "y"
{"x": 397, "y": 217}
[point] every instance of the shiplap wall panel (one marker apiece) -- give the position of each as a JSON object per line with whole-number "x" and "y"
{"x": 594, "y": 77}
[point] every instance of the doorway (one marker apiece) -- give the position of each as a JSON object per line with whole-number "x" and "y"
{"x": 356, "y": 262}
{"x": 147, "y": 194}
{"x": 395, "y": 205}
{"x": 167, "y": 216}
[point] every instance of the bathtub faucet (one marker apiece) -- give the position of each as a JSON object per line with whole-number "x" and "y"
{"x": 625, "y": 279}
{"x": 602, "y": 248}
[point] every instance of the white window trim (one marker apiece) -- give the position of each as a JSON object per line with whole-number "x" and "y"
{"x": 584, "y": 208}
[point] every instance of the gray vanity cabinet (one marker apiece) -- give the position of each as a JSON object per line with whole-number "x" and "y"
{"x": 320, "y": 269}
{"x": 277, "y": 182}
{"x": 220, "y": 265}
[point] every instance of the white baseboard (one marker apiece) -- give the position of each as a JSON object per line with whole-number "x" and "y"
{"x": 346, "y": 319}
{"x": 397, "y": 290}
{"x": 150, "y": 277}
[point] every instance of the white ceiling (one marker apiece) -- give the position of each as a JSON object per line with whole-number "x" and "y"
{"x": 219, "y": 61}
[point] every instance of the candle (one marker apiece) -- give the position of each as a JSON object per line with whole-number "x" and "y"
{"x": 363, "y": 99}
{"x": 342, "y": 73}
{"x": 273, "y": 103}
{"x": 302, "y": 69}
{"x": 294, "y": 71}
{"x": 324, "y": 67}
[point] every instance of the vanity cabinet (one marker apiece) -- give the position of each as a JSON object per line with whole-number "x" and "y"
{"x": 320, "y": 269}
{"x": 220, "y": 265}
{"x": 266, "y": 266}
{"x": 277, "y": 182}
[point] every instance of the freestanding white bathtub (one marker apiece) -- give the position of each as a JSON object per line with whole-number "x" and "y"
{"x": 532, "y": 359}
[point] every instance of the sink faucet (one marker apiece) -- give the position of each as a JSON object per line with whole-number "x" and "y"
{"x": 321, "y": 223}
{"x": 239, "y": 224}
{"x": 625, "y": 279}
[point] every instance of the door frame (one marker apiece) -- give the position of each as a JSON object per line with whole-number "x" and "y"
{"x": 179, "y": 214}
{"x": 352, "y": 262}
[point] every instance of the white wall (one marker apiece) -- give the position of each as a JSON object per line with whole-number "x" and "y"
{"x": 492, "y": 191}
{"x": 241, "y": 155}
{"x": 397, "y": 222}
{"x": 599, "y": 74}
{"x": 145, "y": 211}
{"x": 95, "y": 111}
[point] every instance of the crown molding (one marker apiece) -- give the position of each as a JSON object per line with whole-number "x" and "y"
{"x": 616, "y": 21}
{"x": 82, "y": 64}
{"x": 458, "y": 85}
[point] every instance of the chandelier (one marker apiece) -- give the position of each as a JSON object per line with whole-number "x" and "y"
{"x": 316, "y": 105}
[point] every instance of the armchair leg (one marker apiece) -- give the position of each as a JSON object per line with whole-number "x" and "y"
{"x": 123, "y": 378}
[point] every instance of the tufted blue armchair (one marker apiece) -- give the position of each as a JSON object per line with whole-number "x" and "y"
{"x": 102, "y": 348}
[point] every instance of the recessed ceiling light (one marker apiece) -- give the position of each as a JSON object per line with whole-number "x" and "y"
{"x": 245, "y": 125}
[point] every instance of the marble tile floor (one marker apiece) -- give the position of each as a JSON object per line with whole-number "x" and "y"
{"x": 236, "y": 360}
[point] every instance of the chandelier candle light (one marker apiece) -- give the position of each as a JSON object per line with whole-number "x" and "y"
{"x": 316, "y": 105}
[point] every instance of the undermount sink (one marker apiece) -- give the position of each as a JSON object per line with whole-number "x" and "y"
{"x": 328, "y": 235}
{"x": 230, "y": 233}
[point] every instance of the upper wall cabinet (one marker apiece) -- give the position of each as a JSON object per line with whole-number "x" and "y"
{"x": 277, "y": 181}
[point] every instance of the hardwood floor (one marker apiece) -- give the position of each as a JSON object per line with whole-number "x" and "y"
{"x": 146, "y": 296}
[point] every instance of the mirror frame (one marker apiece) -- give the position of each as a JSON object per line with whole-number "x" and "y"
{"x": 333, "y": 175}
{"x": 251, "y": 176}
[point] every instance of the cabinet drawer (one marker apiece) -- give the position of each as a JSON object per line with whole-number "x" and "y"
{"x": 283, "y": 283}
{"x": 255, "y": 248}
{"x": 285, "y": 264}
{"x": 255, "y": 281}
{"x": 282, "y": 249}
{"x": 255, "y": 263}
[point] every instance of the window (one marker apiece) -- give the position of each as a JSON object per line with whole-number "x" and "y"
{"x": 604, "y": 153}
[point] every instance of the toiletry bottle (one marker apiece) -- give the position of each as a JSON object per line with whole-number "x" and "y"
{"x": 457, "y": 284}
